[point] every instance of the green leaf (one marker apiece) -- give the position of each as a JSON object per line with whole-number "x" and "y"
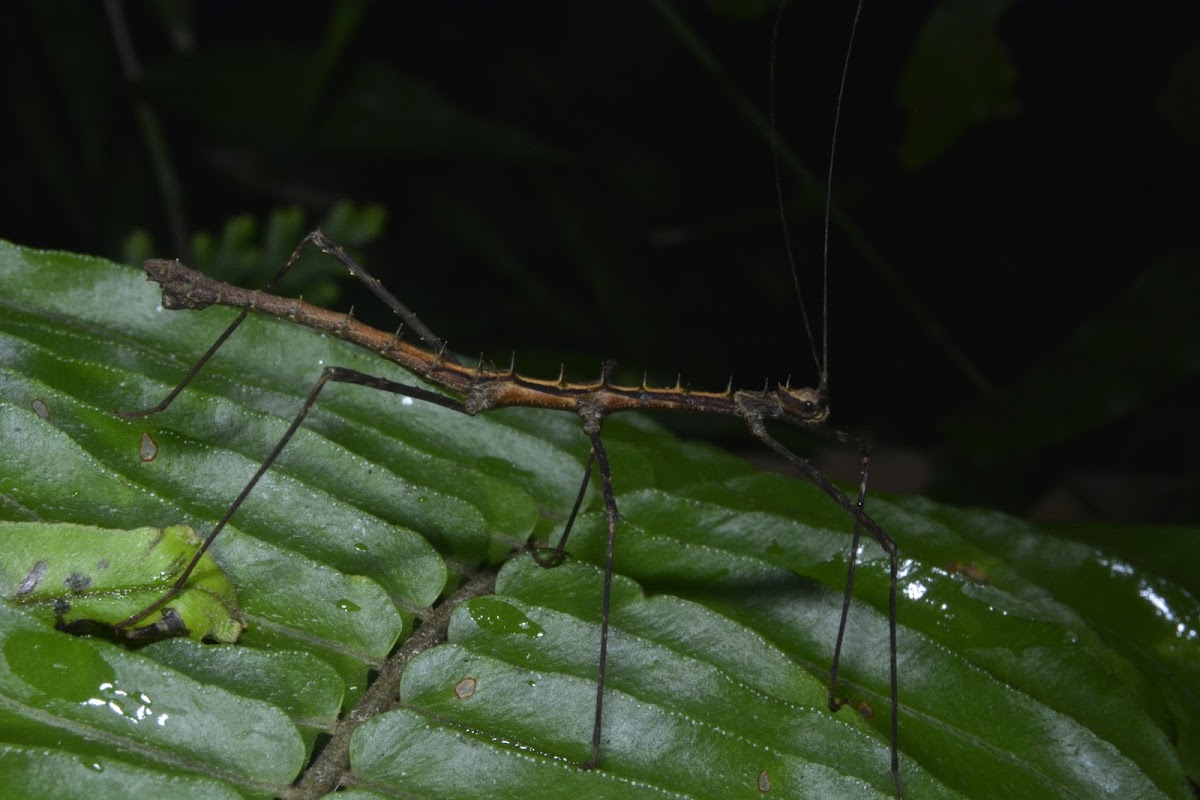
{"x": 76, "y": 575}
{"x": 91, "y": 698}
{"x": 62, "y": 775}
{"x": 959, "y": 76}
{"x": 1030, "y": 665}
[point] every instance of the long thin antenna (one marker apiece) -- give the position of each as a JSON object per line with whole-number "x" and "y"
{"x": 783, "y": 218}
{"x": 821, "y": 360}
{"x": 837, "y": 118}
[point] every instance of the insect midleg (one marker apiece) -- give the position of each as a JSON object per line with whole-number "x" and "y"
{"x": 328, "y": 375}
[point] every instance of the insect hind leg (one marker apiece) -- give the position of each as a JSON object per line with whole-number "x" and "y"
{"x": 322, "y": 242}
{"x": 326, "y": 245}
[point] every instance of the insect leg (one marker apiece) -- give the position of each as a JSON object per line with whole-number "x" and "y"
{"x": 610, "y": 512}
{"x": 332, "y": 248}
{"x": 556, "y": 555}
{"x": 319, "y": 240}
{"x": 334, "y": 374}
{"x": 861, "y": 521}
{"x": 233, "y": 326}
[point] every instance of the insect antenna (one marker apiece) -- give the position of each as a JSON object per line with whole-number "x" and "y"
{"x": 822, "y": 363}
{"x": 820, "y": 359}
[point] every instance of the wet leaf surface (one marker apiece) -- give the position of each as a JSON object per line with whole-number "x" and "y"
{"x": 1031, "y": 665}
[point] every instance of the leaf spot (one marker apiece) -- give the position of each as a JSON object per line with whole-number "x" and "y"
{"x": 465, "y": 689}
{"x": 764, "y": 782}
{"x": 77, "y": 582}
{"x": 33, "y": 578}
{"x": 147, "y": 448}
{"x": 40, "y": 408}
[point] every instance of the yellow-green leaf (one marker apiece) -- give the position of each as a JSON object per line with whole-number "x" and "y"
{"x": 80, "y": 575}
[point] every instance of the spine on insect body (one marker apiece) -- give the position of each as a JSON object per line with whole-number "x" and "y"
{"x": 484, "y": 389}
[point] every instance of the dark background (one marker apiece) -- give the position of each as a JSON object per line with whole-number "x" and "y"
{"x": 1014, "y": 276}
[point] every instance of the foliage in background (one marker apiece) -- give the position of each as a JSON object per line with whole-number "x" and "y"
{"x": 577, "y": 186}
{"x": 240, "y": 255}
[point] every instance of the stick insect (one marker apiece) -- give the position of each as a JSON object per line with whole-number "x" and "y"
{"x": 476, "y": 389}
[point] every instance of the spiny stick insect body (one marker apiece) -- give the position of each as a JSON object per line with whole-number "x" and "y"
{"x": 474, "y": 390}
